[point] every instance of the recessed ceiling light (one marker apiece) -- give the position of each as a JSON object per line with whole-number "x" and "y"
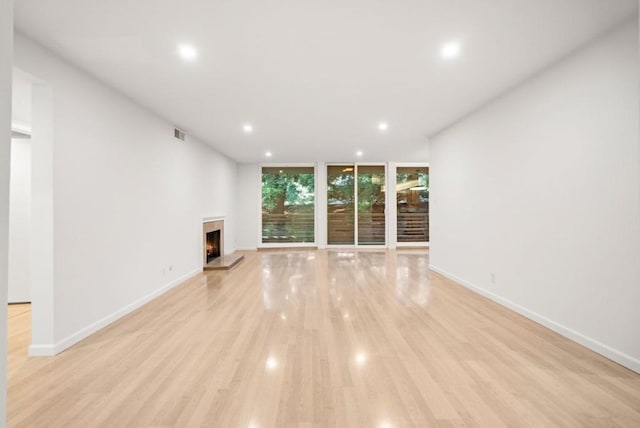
{"x": 383, "y": 126}
{"x": 451, "y": 50}
{"x": 359, "y": 153}
{"x": 247, "y": 128}
{"x": 268, "y": 154}
{"x": 187, "y": 52}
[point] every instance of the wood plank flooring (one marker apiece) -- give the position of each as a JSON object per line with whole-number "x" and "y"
{"x": 320, "y": 339}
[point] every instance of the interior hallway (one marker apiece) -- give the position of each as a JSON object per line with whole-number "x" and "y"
{"x": 319, "y": 338}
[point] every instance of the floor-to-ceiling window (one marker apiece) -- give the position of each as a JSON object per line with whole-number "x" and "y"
{"x": 356, "y": 204}
{"x": 288, "y": 201}
{"x": 371, "y": 205}
{"x": 340, "y": 204}
{"x": 412, "y": 189}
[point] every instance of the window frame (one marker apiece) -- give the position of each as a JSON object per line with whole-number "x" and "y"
{"x": 313, "y": 244}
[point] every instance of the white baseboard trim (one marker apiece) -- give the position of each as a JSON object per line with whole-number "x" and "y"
{"x": 48, "y": 350}
{"x": 594, "y": 345}
{"x": 42, "y": 350}
{"x": 412, "y": 244}
{"x": 247, "y": 249}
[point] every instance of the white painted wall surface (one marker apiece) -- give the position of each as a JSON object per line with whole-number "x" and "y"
{"x": 128, "y": 199}
{"x": 541, "y": 188}
{"x": 41, "y": 256}
{"x": 6, "y": 55}
{"x": 248, "y": 203}
{"x": 321, "y": 204}
{"x": 21, "y": 101}
{"x": 19, "y": 221}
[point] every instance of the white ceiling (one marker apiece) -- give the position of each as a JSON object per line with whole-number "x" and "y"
{"x": 315, "y": 77}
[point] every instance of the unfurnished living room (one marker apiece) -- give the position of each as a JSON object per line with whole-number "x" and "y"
{"x": 290, "y": 213}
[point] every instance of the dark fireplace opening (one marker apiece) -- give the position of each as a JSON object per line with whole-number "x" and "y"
{"x": 213, "y": 245}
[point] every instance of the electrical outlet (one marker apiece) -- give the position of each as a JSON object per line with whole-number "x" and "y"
{"x": 170, "y": 267}
{"x": 493, "y": 277}
{"x": 164, "y": 271}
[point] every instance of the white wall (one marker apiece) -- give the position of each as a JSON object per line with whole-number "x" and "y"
{"x": 19, "y": 221}
{"x": 248, "y": 203}
{"x": 541, "y": 189}
{"x": 41, "y": 255}
{"x": 21, "y": 101}
{"x": 6, "y": 55}
{"x": 128, "y": 199}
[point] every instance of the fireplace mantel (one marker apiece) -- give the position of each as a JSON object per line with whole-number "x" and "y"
{"x": 213, "y": 218}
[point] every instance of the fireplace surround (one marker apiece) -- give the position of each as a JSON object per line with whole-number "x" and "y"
{"x": 212, "y": 240}
{"x": 213, "y": 255}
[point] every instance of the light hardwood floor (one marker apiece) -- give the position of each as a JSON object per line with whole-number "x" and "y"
{"x": 315, "y": 339}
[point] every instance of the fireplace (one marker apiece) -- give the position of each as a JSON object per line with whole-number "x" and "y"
{"x": 213, "y": 245}
{"x": 213, "y": 254}
{"x": 212, "y": 240}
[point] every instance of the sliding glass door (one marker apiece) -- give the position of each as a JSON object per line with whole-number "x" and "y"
{"x": 340, "y": 204}
{"x": 350, "y": 186}
{"x": 371, "y": 205}
{"x": 412, "y": 189}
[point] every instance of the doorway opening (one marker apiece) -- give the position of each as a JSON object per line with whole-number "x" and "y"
{"x": 30, "y": 278}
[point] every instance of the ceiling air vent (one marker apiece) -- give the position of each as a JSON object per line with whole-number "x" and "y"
{"x": 179, "y": 134}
